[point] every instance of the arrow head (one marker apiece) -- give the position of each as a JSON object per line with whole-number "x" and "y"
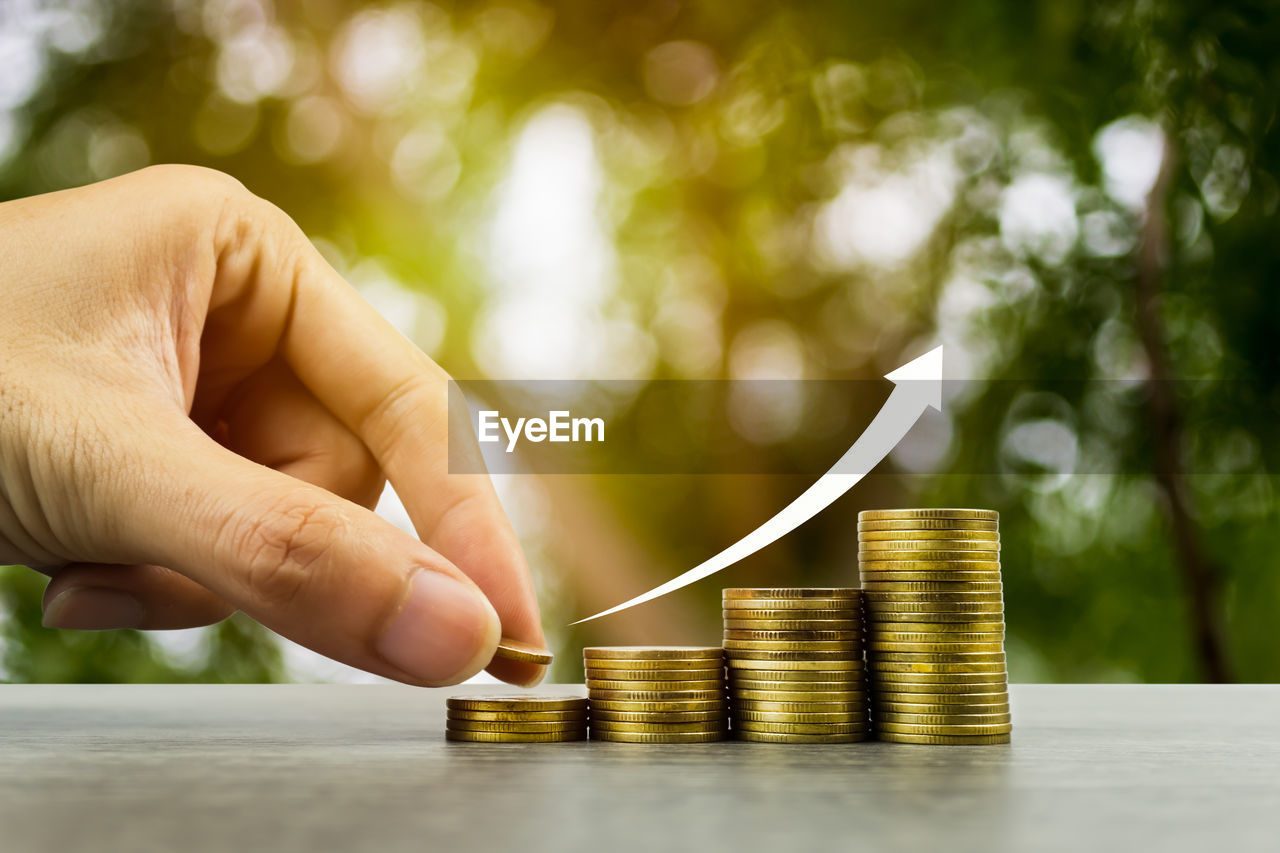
{"x": 925, "y": 373}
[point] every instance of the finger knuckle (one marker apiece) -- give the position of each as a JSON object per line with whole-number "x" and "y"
{"x": 285, "y": 549}
{"x": 397, "y": 410}
{"x": 194, "y": 180}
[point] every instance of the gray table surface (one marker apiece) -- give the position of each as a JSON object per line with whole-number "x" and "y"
{"x": 320, "y": 767}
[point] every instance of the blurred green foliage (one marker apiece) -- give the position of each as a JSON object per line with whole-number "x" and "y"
{"x": 808, "y": 190}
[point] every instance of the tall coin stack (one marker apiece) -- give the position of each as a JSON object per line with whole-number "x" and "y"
{"x": 656, "y": 694}
{"x": 935, "y": 625}
{"x": 516, "y": 719}
{"x": 795, "y": 665}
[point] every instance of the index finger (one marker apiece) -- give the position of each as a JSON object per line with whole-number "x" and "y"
{"x": 388, "y": 392}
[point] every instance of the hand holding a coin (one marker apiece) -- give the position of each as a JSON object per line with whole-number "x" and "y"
{"x": 197, "y": 415}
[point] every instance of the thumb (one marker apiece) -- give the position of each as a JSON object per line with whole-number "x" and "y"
{"x": 315, "y": 568}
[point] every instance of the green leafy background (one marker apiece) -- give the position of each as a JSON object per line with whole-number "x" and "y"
{"x": 735, "y": 152}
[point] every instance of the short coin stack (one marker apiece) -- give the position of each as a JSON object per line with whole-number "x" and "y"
{"x": 795, "y": 665}
{"x": 656, "y": 694}
{"x": 935, "y": 625}
{"x": 516, "y": 719}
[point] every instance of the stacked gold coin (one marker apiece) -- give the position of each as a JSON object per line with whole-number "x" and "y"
{"x": 795, "y": 665}
{"x": 516, "y": 719}
{"x": 935, "y": 625}
{"x": 656, "y": 694}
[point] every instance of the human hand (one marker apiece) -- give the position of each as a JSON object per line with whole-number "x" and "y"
{"x": 196, "y": 416}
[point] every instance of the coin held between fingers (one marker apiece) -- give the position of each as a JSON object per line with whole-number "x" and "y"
{"x": 509, "y": 649}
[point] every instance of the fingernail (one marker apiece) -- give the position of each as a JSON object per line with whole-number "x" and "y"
{"x": 91, "y": 608}
{"x": 444, "y": 633}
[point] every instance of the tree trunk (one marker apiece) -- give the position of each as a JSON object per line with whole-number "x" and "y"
{"x": 1201, "y": 577}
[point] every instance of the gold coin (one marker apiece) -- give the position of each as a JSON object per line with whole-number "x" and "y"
{"x": 751, "y": 694}
{"x": 928, "y": 524}
{"x": 740, "y": 659}
{"x": 594, "y": 684}
{"x": 776, "y": 707}
{"x": 941, "y": 644}
{"x": 916, "y": 514}
{"x": 904, "y": 691}
{"x": 924, "y": 603}
{"x": 949, "y": 534}
{"x": 845, "y": 605}
{"x": 919, "y": 554}
{"x": 940, "y": 709}
{"x": 981, "y": 567}
{"x": 772, "y": 737}
{"x": 790, "y": 592}
{"x": 784, "y": 689}
{"x": 802, "y": 728}
{"x": 942, "y": 630}
{"x": 655, "y": 674}
{"x": 887, "y": 546}
{"x": 516, "y": 737}
{"x": 652, "y": 653}
{"x": 851, "y": 679}
{"x": 516, "y": 703}
{"x": 850, "y": 673}
{"x": 941, "y": 740}
{"x": 890, "y": 617}
{"x": 859, "y": 684}
{"x": 718, "y": 725}
{"x": 660, "y": 706}
{"x": 934, "y": 586}
{"x": 893, "y": 641}
{"x": 1001, "y": 718}
{"x": 937, "y": 668}
{"x": 789, "y": 625}
{"x": 891, "y": 608}
{"x": 658, "y": 737}
{"x": 997, "y": 677}
{"x": 510, "y": 649}
{"x": 937, "y": 657}
{"x": 457, "y": 725}
{"x": 878, "y": 656}
{"x": 791, "y": 636}
{"x": 881, "y": 607}
{"x": 905, "y": 729}
{"x": 878, "y": 598}
{"x": 858, "y": 717}
{"x": 660, "y": 665}
{"x": 962, "y": 699}
{"x": 774, "y": 614}
{"x": 655, "y": 696}
{"x": 600, "y": 714}
{"x": 847, "y": 647}
{"x": 874, "y": 578}
{"x": 518, "y": 716}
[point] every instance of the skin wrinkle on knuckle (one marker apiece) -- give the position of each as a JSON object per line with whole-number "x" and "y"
{"x": 84, "y": 478}
{"x": 393, "y": 414}
{"x": 284, "y": 550}
{"x": 243, "y": 229}
{"x": 260, "y": 257}
{"x": 38, "y": 485}
{"x": 465, "y": 537}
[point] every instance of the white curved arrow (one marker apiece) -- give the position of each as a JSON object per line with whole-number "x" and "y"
{"x": 917, "y": 386}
